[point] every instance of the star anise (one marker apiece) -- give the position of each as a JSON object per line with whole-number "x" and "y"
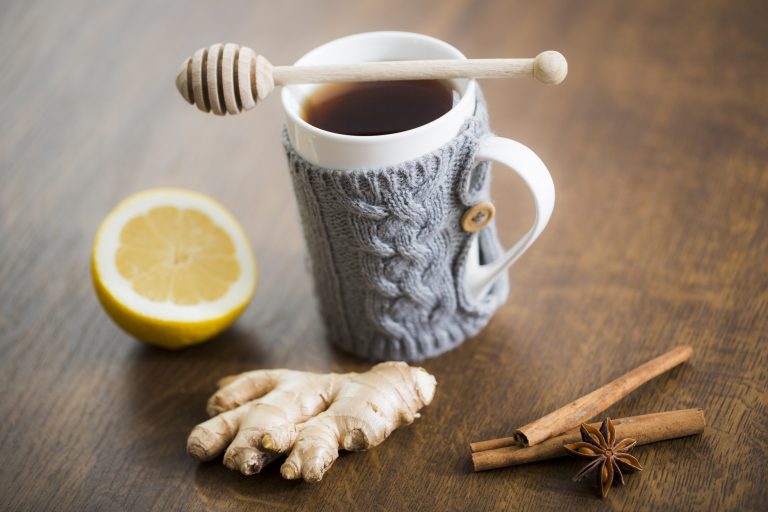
{"x": 609, "y": 457}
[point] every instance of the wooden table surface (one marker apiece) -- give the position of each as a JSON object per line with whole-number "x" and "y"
{"x": 658, "y": 145}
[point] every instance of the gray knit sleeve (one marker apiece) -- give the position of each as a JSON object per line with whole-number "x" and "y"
{"x": 388, "y": 252}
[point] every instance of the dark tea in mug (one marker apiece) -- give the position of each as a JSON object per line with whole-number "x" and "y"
{"x": 377, "y": 108}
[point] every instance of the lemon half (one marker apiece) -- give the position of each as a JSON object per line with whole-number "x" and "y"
{"x": 172, "y": 267}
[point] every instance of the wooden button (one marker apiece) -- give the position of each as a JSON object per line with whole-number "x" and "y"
{"x": 477, "y": 217}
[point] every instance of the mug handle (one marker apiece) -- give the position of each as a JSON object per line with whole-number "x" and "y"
{"x": 518, "y": 158}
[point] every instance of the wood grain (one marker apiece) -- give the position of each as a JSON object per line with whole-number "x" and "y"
{"x": 657, "y": 143}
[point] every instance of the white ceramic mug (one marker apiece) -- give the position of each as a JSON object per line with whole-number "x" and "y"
{"x": 337, "y": 151}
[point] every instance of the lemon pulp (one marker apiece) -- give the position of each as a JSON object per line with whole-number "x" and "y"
{"x": 177, "y": 255}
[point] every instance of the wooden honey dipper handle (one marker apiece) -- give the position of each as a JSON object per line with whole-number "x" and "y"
{"x": 231, "y": 79}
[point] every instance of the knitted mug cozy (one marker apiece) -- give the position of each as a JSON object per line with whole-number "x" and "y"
{"x": 388, "y": 253}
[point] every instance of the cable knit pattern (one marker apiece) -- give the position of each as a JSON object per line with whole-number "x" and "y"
{"x": 388, "y": 253}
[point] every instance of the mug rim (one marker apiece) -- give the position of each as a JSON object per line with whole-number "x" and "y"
{"x": 286, "y": 95}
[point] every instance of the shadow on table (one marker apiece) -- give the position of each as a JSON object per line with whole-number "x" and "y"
{"x": 175, "y": 385}
{"x": 215, "y": 483}
{"x": 163, "y": 393}
{"x": 235, "y": 345}
{"x": 218, "y": 486}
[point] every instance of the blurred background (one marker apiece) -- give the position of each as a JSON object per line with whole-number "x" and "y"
{"x": 90, "y": 115}
{"x": 94, "y": 81}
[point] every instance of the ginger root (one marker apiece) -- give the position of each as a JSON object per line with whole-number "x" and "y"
{"x": 259, "y": 415}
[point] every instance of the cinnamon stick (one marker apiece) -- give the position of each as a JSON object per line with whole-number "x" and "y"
{"x": 590, "y": 405}
{"x": 492, "y": 444}
{"x": 645, "y": 429}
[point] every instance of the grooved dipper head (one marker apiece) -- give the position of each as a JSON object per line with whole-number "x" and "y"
{"x": 225, "y": 79}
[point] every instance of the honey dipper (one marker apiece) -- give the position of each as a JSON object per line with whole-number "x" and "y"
{"x": 228, "y": 78}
